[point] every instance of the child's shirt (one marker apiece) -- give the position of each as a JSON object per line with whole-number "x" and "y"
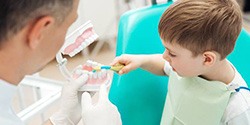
{"x": 238, "y": 109}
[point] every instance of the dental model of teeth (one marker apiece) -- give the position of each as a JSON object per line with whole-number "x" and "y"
{"x": 78, "y": 40}
{"x": 95, "y": 79}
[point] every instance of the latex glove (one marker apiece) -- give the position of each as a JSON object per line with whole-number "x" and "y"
{"x": 103, "y": 113}
{"x": 70, "y": 107}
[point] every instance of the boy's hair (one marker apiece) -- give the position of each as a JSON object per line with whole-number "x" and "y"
{"x": 202, "y": 25}
{"x": 15, "y": 14}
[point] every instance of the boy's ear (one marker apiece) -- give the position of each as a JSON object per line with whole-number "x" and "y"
{"x": 38, "y": 29}
{"x": 209, "y": 58}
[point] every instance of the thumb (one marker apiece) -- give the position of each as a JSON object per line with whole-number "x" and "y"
{"x": 103, "y": 95}
{"x": 86, "y": 101}
{"x": 80, "y": 81}
{"x": 120, "y": 59}
{"x": 126, "y": 69}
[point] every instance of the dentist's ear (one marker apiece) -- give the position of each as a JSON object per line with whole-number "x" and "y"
{"x": 37, "y": 30}
{"x": 209, "y": 58}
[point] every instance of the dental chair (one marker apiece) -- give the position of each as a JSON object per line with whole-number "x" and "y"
{"x": 140, "y": 95}
{"x": 240, "y": 55}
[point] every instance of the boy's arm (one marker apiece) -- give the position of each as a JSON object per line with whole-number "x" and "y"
{"x": 153, "y": 63}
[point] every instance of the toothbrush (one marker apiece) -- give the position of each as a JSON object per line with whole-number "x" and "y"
{"x": 115, "y": 68}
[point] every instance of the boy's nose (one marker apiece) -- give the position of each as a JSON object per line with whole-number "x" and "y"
{"x": 166, "y": 56}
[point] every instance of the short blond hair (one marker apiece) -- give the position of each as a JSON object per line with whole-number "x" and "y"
{"x": 202, "y": 25}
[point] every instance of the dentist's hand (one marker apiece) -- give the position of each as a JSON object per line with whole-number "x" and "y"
{"x": 102, "y": 113}
{"x": 130, "y": 62}
{"x": 70, "y": 107}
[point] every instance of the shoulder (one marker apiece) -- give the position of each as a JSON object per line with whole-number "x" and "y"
{"x": 239, "y": 103}
{"x": 238, "y": 108}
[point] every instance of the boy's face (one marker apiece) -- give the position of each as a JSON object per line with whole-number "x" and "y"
{"x": 182, "y": 61}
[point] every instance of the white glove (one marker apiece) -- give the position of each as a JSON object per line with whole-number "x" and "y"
{"x": 70, "y": 107}
{"x": 103, "y": 113}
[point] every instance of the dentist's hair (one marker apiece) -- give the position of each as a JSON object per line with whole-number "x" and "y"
{"x": 15, "y": 14}
{"x": 202, "y": 25}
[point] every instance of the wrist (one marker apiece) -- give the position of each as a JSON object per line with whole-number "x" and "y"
{"x": 61, "y": 119}
{"x": 144, "y": 61}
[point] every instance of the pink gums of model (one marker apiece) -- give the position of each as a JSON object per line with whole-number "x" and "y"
{"x": 100, "y": 77}
{"x": 80, "y": 41}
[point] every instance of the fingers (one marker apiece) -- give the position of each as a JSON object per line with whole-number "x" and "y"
{"x": 103, "y": 94}
{"x": 124, "y": 60}
{"x": 120, "y": 59}
{"x": 80, "y": 81}
{"x": 125, "y": 69}
{"x": 86, "y": 101}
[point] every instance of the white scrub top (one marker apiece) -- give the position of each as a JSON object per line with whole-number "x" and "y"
{"x": 7, "y": 115}
{"x": 238, "y": 109}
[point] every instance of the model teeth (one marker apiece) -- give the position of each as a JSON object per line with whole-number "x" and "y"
{"x": 94, "y": 77}
{"x": 91, "y": 75}
{"x": 99, "y": 76}
{"x": 83, "y": 45}
{"x": 79, "y": 39}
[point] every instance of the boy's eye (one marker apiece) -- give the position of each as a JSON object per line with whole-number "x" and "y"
{"x": 172, "y": 55}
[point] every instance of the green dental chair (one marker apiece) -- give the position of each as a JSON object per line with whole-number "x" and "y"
{"x": 240, "y": 56}
{"x": 140, "y": 95}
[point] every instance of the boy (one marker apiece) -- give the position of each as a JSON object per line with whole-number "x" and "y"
{"x": 204, "y": 87}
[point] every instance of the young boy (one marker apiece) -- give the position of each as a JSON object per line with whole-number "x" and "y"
{"x": 204, "y": 88}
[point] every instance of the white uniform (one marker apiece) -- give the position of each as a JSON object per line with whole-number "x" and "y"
{"x": 238, "y": 109}
{"x": 7, "y": 115}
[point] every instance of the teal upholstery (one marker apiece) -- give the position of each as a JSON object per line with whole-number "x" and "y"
{"x": 140, "y": 95}
{"x": 240, "y": 56}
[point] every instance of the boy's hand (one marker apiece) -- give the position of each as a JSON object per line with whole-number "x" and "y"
{"x": 130, "y": 62}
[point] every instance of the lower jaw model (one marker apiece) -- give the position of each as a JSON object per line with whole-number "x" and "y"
{"x": 74, "y": 43}
{"x": 95, "y": 79}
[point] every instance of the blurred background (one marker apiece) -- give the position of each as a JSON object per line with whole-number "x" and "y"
{"x": 104, "y": 15}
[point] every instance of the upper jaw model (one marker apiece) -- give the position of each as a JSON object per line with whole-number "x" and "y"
{"x": 75, "y": 42}
{"x": 79, "y": 39}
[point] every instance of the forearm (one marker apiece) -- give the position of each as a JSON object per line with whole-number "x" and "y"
{"x": 153, "y": 63}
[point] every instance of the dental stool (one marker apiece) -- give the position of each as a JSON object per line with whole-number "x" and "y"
{"x": 140, "y": 95}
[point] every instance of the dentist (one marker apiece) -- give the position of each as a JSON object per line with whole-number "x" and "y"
{"x": 31, "y": 33}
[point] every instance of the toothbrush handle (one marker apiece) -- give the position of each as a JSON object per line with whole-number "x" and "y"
{"x": 117, "y": 67}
